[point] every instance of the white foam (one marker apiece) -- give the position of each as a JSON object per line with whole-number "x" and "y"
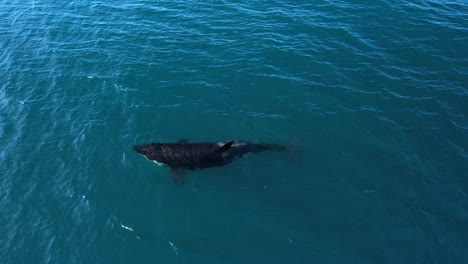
{"x": 158, "y": 163}
{"x": 173, "y": 247}
{"x": 126, "y": 227}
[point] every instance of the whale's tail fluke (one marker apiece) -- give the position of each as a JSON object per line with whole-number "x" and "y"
{"x": 275, "y": 147}
{"x": 293, "y": 149}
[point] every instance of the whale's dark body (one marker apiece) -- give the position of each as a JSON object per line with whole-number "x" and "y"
{"x": 195, "y": 156}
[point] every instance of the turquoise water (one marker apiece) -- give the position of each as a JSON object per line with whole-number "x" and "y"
{"x": 374, "y": 93}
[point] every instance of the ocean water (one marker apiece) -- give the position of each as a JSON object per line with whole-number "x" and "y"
{"x": 374, "y": 93}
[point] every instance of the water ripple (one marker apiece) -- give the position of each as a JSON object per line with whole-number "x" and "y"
{"x": 376, "y": 90}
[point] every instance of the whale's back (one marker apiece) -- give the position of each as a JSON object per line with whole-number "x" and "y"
{"x": 182, "y": 155}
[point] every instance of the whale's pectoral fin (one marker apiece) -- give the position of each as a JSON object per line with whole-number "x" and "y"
{"x": 178, "y": 176}
{"x": 183, "y": 141}
{"x": 225, "y": 147}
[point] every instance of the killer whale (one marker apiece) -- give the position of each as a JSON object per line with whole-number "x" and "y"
{"x": 183, "y": 155}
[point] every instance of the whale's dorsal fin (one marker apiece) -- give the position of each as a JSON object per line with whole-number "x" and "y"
{"x": 182, "y": 141}
{"x": 225, "y": 147}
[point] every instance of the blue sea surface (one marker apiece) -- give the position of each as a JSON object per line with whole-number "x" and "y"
{"x": 373, "y": 93}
